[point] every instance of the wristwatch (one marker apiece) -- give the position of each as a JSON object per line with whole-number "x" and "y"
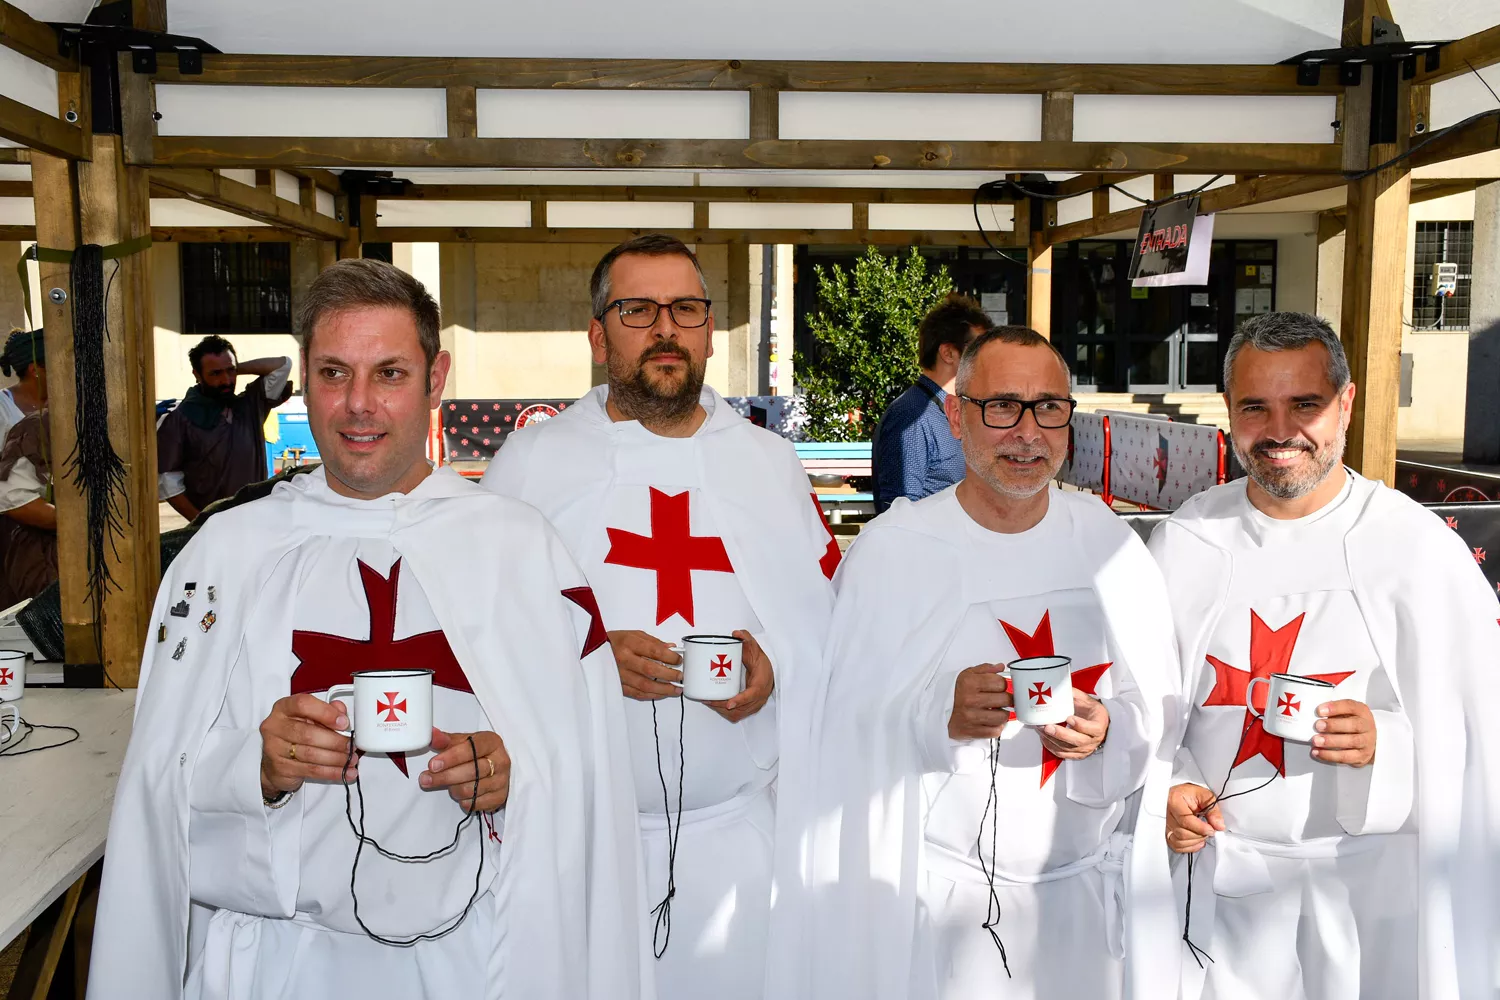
{"x": 278, "y": 800}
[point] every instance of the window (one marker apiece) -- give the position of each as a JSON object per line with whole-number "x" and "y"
{"x": 1448, "y": 242}
{"x": 230, "y": 288}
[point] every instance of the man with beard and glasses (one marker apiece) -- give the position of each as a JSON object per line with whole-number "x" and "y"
{"x": 214, "y": 441}
{"x": 1361, "y": 864}
{"x": 689, "y": 520}
{"x": 956, "y": 852}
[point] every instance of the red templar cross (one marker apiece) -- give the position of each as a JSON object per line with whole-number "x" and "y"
{"x": 1289, "y": 704}
{"x": 1040, "y": 693}
{"x": 721, "y": 666}
{"x": 1039, "y": 643}
{"x": 671, "y": 551}
{"x": 1270, "y": 653}
{"x": 6, "y": 674}
{"x": 326, "y": 660}
{"x": 391, "y": 706}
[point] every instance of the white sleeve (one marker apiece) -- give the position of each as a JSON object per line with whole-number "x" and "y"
{"x": 934, "y": 708}
{"x": 276, "y": 381}
{"x": 21, "y": 487}
{"x": 170, "y": 484}
{"x": 1118, "y": 768}
{"x": 242, "y": 855}
{"x": 506, "y": 474}
{"x": 1379, "y": 797}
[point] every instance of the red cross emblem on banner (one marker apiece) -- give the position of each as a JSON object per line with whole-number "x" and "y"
{"x": 391, "y": 706}
{"x": 721, "y": 666}
{"x": 1270, "y": 653}
{"x": 1039, "y": 643}
{"x": 325, "y": 660}
{"x": 671, "y": 551}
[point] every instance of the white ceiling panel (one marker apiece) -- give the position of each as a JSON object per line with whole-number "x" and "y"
{"x": 191, "y": 109}
{"x": 614, "y": 114}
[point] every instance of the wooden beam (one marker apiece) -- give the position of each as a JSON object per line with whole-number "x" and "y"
{"x": 115, "y": 208}
{"x": 22, "y": 33}
{"x": 1443, "y": 189}
{"x": 259, "y": 202}
{"x": 40, "y": 131}
{"x": 1039, "y": 285}
{"x": 765, "y": 113}
{"x": 784, "y": 154}
{"x": 463, "y": 112}
{"x": 1162, "y": 186}
{"x": 148, "y": 15}
{"x": 707, "y": 193}
{"x": 1221, "y": 199}
{"x": 525, "y": 234}
{"x": 1478, "y": 50}
{"x": 1480, "y": 136}
{"x": 222, "y": 234}
{"x": 734, "y": 74}
{"x": 1057, "y": 116}
{"x": 137, "y": 111}
{"x": 1086, "y": 183}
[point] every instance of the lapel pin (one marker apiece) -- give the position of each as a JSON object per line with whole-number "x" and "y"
{"x": 181, "y": 648}
{"x": 161, "y": 632}
{"x": 208, "y": 621}
{"x": 180, "y": 609}
{"x": 212, "y": 595}
{"x": 189, "y": 590}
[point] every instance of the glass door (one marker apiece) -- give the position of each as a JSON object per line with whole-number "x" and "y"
{"x": 1154, "y": 335}
{"x": 1097, "y": 271}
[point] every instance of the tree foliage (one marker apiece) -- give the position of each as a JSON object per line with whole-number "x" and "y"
{"x": 865, "y": 335}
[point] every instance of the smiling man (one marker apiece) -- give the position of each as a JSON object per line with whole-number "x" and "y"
{"x": 1361, "y": 865}
{"x": 960, "y": 853}
{"x": 688, "y": 519}
{"x": 242, "y": 861}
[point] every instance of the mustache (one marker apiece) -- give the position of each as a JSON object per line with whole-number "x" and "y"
{"x": 1268, "y": 445}
{"x": 662, "y": 348}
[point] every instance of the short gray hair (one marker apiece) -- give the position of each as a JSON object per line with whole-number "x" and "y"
{"x": 649, "y": 245}
{"x": 1020, "y": 336}
{"x": 1289, "y": 331}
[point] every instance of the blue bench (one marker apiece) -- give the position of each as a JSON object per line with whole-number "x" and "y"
{"x": 832, "y": 463}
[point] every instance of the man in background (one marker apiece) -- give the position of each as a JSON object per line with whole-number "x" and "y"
{"x": 915, "y": 454}
{"x": 214, "y": 441}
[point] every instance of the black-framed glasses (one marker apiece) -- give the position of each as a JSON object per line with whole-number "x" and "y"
{"x": 642, "y": 313}
{"x": 1002, "y": 412}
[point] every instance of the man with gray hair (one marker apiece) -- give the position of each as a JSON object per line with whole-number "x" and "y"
{"x": 965, "y": 851}
{"x": 1338, "y": 640}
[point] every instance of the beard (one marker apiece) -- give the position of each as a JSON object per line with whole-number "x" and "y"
{"x": 218, "y": 393}
{"x": 1292, "y": 483}
{"x": 654, "y": 400}
{"x": 986, "y": 464}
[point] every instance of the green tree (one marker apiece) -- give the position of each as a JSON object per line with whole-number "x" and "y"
{"x": 865, "y": 329}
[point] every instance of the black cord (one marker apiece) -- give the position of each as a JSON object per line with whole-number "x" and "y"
{"x": 359, "y": 833}
{"x": 992, "y": 909}
{"x": 663, "y": 910}
{"x": 24, "y": 731}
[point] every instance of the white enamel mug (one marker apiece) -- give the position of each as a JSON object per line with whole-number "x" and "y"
{"x": 10, "y": 722}
{"x": 712, "y": 667}
{"x": 12, "y": 674}
{"x": 1042, "y": 689}
{"x": 390, "y": 711}
{"x": 1292, "y": 705}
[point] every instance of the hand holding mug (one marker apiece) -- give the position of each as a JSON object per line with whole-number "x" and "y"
{"x": 1082, "y": 733}
{"x": 1187, "y": 830}
{"x": 981, "y": 703}
{"x": 301, "y": 740}
{"x": 760, "y": 681}
{"x": 647, "y": 666}
{"x": 452, "y": 768}
{"x": 1345, "y": 734}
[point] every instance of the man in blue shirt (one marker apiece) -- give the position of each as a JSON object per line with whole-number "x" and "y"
{"x": 915, "y": 454}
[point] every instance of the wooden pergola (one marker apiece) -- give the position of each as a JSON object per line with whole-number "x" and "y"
{"x": 92, "y": 185}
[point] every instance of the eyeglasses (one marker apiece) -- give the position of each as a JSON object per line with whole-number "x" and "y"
{"x": 642, "y": 313}
{"x": 1002, "y": 412}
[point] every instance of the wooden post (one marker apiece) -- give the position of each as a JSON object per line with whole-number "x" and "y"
{"x": 1057, "y": 116}
{"x": 765, "y": 113}
{"x": 1039, "y": 286}
{"x": 463, "y": 116}
{"x": 114, "y": 202}
{"x": 737, "y": 320}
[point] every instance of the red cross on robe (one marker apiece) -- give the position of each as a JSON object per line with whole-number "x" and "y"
{"x": 1039, "y": 643}
{"x": 325, "y": 660}
{"x": 671, "y": 551}
{"x": 1270, "y": 653}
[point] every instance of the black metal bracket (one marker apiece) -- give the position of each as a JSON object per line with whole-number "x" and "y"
{"x": 1387, "y": 48}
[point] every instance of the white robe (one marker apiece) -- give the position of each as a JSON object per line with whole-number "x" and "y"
{"x": 610, "y": 485}
{"x": 899, "y": 895}
{"x": 1332, "y": 882}
{"x": 563, "y": 917}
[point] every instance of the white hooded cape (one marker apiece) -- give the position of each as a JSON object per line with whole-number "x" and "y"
{"x": 1433, "y": 620}
{"x": 781, "y": 550}
{"x": 570, "y": 864}
{"x": 902, "y": 593}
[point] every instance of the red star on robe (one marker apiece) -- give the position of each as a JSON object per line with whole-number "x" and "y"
{"x": 831, "y": 554}
{"x": 671, "y": 551}
{"x": 1270, "y": 653}
{"x": 585, "y": 599}
{"x": 325, "y": 660}
{"x": 1039, "y": 643}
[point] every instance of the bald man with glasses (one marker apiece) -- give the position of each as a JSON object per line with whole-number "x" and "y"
{"x": 964, "y": 854}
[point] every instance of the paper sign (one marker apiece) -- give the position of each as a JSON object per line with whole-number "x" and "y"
{"x": 1262, "y": 300}
{"x": 992, "y": 301}
{"x": 1249, "y": 270}
{"x": 1266, "y": 272}
{"x": 999, "y": 317}
{"x": 1139, "y": 293}
{"x": 1161, "y": 245}
{"x": 1244, "y": 301}
{"x": 1198, "y": 300}
{"x": 1196, "y": 270}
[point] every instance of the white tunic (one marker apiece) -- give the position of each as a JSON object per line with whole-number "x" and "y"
{"x": 308, "y": 845}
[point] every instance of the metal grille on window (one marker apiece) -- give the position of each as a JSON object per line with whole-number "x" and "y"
{"x": 233, "y": 288}
{"x": 1441, "y": 242}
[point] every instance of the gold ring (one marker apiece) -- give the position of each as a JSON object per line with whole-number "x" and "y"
{"x": 492, "y": 767}
{"x": 291, "y": 751}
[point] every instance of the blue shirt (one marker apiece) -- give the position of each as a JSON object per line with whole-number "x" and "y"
{"x": 916, "y": 455}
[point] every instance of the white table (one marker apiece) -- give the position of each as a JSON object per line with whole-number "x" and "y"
{"x": 55, "y": 805}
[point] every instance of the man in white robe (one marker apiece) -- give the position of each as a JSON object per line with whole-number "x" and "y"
{"x": 977, "y": 857}
{"x": 688, "y": 519}
{"x": 231, "y": 863}
{"x": 1361, "y": 865}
